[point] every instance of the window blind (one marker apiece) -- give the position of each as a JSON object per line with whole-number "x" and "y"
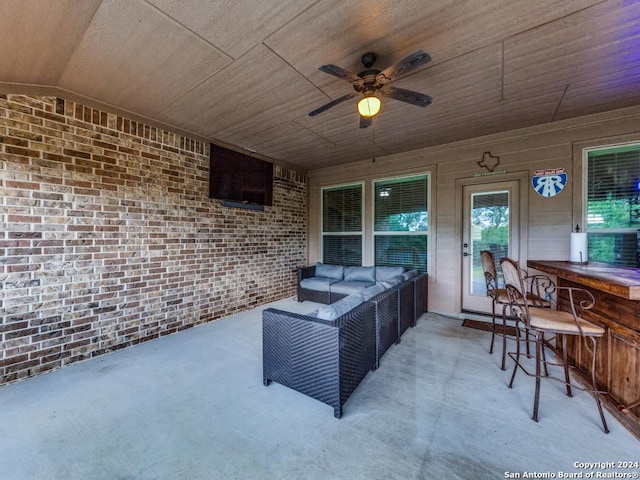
{"x": 401, "y": 222}
{"x": 613, "y": 204}
{"x": 342, "y": 225}
{"x": 401, "y": 205}
{"x": 342, "y": 209}
{"x": 612, "y": 188}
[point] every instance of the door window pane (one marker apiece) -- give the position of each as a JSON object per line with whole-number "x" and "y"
{"x": 489, "y": 231}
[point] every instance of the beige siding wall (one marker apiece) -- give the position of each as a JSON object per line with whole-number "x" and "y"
{"x": 548, "y": 221}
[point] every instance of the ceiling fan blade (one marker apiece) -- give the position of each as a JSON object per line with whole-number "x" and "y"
{"x": 342, "y": 73}
{"x": 404, "y": 66}
{"x": 365, "y": 121}
{"x": 333, "y": 103}
{"x": 408, "y": 96}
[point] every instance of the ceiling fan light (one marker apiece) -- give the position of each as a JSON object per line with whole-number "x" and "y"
{"x": 369, "y": 106}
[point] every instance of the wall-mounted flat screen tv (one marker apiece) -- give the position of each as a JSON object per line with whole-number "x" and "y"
{"x": 238, "y": 177}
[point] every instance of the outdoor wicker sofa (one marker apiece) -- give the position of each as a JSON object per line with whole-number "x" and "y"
{"x": 327, "y": 353}
{"x": 324, "y": 359}
{"x": 324, "y": 283}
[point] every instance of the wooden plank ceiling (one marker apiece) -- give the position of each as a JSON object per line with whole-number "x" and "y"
{"x": 245, "y": 72}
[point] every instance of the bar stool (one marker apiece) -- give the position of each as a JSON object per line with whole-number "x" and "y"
{"x": 539, "y": 286}
{"x": 541, "y": 321}
{"x": 498, "y": 297}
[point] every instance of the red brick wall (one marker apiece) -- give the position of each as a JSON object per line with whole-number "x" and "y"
{"x": 108, "y": 237}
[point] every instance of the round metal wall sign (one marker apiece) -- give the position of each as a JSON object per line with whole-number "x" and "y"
{"x": 549, "y": 183}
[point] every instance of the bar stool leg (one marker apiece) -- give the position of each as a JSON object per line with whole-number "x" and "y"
{"x": 544, "y": 358}
{"x": 504, "y": 336}
{"x": 596, "y": 393}
{"x": 516, "y": 363}
{"x": 493, "y": 324}
{"x": 536, "y": 401}
{"x": 565, "y": 363}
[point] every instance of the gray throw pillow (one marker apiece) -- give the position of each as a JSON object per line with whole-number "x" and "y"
{"x": 385, "y": 273}
{"x": 370, "y": 292}
{"x": 392, "y": 282}
{"x": 329, "y": 271}
{"x": 360, "y": 274}
{"x": 335, "y": 310}
{"x": 410, "y": 274}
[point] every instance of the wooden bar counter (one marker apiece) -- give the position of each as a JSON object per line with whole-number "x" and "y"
{"x": 617, "y": 309}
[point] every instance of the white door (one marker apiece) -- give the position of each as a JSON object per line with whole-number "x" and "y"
{"x": 490, "y": 222}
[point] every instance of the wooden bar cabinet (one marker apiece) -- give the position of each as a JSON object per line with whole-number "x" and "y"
{"x": 617, "y": 309}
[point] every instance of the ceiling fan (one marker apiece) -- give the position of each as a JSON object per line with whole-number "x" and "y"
{"x": 371, "y": 80}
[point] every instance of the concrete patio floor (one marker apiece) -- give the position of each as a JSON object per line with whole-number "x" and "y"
{"x": 192, "y": 406}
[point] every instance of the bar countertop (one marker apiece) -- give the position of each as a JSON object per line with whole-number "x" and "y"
{"x": 620, "y": 281}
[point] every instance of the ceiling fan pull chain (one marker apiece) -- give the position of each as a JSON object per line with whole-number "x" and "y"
{"x": 373, "y": 138}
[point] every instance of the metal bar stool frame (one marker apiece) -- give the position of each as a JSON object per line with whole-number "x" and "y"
{"x": 559, "y": 323}
{"x": 539, "y": 291}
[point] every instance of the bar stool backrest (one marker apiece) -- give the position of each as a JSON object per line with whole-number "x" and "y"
{"x": 516, "y": 290}
{"x": 490, "y": 273}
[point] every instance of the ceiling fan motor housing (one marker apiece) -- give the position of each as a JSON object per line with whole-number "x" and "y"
{"x": 368, "y": 59}
{"x": 369, "y": 77}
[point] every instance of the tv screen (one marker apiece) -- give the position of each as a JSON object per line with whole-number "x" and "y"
{"x": 240, "y": 178}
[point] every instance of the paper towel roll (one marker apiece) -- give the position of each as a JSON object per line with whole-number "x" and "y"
{"x": 578, "y": 252}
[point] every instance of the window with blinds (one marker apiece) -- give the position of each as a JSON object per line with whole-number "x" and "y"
{"x": 342, "y": 225}
{"x": 613, "y": 204}
{"x": 401, "y": 221}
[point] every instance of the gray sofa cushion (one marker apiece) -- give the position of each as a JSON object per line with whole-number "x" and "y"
{"x": 360, "y": 274}
{"x": 385, "y": 273}
{"x": 329, "y": 271}
{"x": 317, "y": 284}
{"x": 339, "y": 308}
{"x": 370, "y": 292}
{"x": 410, "y": 274}
{"x": 392, "y": 282}
{"x": 347, "y": 288}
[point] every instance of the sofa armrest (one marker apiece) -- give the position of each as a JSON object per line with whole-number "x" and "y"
{"x": 325, "y": 360}
{"x": 386, "y": 321}
{"x": 306, "y": 272}
{"x": 421, "y": 294}
{"x": 406, "y": 307}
